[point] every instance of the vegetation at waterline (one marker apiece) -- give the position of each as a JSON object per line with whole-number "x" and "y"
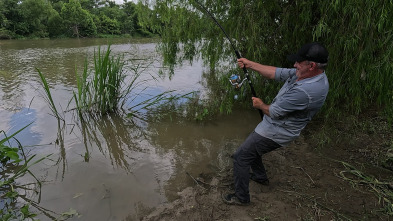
{"x": 109, "y": 86}
{"x": 48, "y": 96}
{"x": 16, "y": 197}
{"x": 14, "y": 205}
{"x": 358, "y": 35}
{"x": 107, "y": 89}
{"x": 103, "y": 92}
{"x": 70, "y": 18}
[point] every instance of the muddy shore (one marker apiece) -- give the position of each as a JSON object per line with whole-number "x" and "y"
{"x": 342, "y": 174}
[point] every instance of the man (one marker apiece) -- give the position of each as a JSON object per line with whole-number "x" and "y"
{"x": 302, "y": 95}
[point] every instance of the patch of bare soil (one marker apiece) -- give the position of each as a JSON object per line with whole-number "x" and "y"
{"x": 336, "y": 182}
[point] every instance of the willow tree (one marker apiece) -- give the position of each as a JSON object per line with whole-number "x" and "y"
{"x": 358, "y": 35}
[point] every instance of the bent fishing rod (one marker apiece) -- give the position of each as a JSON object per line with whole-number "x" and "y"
{"x": 234, "y": 79}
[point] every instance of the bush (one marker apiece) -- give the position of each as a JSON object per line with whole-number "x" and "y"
{"x": 6, "y": 34}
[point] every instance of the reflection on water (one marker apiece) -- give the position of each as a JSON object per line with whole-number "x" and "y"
{"x": 19, "y": 120}
{"x": 108, "y": 168}
{"x": 201, "y": 148}
{"x": 110, "y": 173}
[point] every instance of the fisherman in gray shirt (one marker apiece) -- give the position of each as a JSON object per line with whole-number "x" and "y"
{"x": 302, "y": 95}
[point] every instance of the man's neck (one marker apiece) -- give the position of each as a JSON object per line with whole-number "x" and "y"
{"x": 311, "y": 74}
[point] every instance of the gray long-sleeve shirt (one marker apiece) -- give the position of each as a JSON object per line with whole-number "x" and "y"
{"x": 294, "y": 106}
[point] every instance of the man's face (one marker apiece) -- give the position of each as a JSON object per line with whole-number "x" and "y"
{"x": 302, "y": 68}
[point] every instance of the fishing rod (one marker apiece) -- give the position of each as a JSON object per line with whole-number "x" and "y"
{"x": 235, "y": 80}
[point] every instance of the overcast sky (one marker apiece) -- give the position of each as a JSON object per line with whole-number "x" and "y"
{"x": 121, "y": 1}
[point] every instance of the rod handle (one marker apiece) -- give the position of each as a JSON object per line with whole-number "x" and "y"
{"x": 249, "y": 81}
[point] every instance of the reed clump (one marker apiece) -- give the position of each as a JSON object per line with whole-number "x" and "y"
{"x": 101, "y": 92}
{"x": 108, "y": 87}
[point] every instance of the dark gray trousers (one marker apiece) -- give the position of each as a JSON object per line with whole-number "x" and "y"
{"x": 249, "y": 154}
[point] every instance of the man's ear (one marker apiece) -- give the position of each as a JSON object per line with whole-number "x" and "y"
{"x": 313, "y": 66}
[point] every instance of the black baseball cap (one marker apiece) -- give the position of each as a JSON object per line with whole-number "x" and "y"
{"x": 310, "y": 52}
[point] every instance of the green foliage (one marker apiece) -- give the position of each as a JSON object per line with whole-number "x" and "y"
{"x": 5, "y": 34}
{"x": 35, "y": 14}
{"x": 55, "y": 24}
{"x": 113, "y": 12}
{"x": 11, "y": 17}
{"x": 57, "y": 5}
{"x": 174, "y": 25}
{"x": 109, "y": 26}
{"x": 9, "y": 154}
{"x": 361, "y": 46}
{"x": 25, "y": 18}
{"x": 129, "y": 22}
{"x": 90, "y": 4}
{"x": 74, "y": 18}
{"x": 14, "y": 164}
{"x": 78, "y": 20}
{"x": 358, "y": 35}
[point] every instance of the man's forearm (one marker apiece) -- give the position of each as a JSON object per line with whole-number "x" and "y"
{"x": 259, "y": 104}
{"x": 265, "y": 109}
{"x": 265, "y": 70}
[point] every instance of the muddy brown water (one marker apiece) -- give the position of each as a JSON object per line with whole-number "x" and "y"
{"x": 111, "y": 169}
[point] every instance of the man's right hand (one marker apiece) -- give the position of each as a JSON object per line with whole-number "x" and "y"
{"x": 265, "y": 70}
{"x": 243, "y": 62}
{"x": 258, "y": 104}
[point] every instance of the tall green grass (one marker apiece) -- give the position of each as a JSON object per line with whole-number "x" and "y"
{"x": 104, "y": 90}
{"x": 48, "y": 96}
{"x": 101, "y": 92}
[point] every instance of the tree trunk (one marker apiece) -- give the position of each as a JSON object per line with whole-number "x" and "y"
{"x": 75, "y": 30}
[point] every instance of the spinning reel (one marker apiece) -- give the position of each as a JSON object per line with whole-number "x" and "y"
{"x": 236, "y": 81}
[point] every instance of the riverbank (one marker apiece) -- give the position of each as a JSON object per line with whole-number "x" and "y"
{"x": 339, "y": 173}
{"x": 151, "y": 38}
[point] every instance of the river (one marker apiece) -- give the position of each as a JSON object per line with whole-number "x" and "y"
{"x": 113, "y": 168}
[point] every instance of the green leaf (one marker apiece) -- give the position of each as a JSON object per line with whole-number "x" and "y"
{"x": 13, "y": 155}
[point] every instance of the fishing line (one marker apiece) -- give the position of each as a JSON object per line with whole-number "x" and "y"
{"x": 234, "y": 79}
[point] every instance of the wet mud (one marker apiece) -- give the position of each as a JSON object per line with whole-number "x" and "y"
{"x": 306, "y": 182}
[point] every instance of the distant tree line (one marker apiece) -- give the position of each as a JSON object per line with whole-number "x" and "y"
{"x": 69, "y": 18}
